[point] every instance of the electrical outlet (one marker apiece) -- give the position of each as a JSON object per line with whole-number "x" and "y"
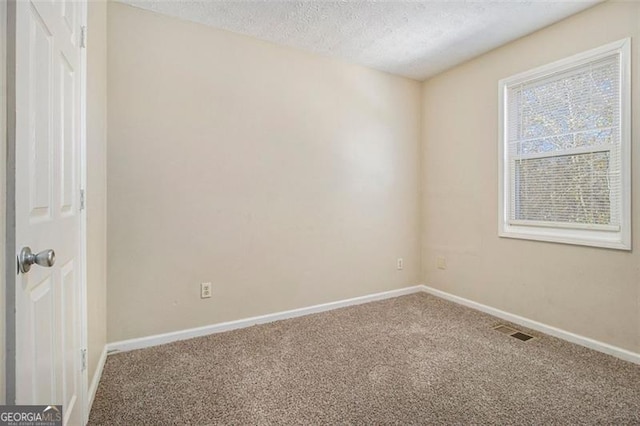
{"x": 400, "y": 264}
{"x": 205, "y": 290}
{"x": 441, "y": 262}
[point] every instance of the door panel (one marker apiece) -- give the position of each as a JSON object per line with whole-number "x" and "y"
{"x": 68, "y": 10}
{"x": 67, "y": 137}
{"x": 42, "y": 307}
{"x": 48, "y": 135}
{"x": 40, "y": 119}
{"x": 70, "y": 292}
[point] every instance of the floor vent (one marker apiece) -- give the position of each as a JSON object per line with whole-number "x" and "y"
{"x": 522, "y": 336}
{"x": 513, "y": 332}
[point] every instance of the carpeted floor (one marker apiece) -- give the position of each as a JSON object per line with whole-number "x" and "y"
{"x": 414, "y": 359}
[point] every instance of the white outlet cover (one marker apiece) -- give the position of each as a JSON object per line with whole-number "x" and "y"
{"x": 205, "y": 290}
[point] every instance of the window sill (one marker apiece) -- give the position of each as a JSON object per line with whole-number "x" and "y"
{"x": 592, "y": 238}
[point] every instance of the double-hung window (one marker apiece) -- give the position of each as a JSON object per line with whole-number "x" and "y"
{"x": 565, "y": 150}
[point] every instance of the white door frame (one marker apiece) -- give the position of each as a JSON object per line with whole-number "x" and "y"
{"x": 82, "y": 160}
{"x": 9, "y": 242}
{"x": 3, "y": 150}
{"x": 9, "y": 207}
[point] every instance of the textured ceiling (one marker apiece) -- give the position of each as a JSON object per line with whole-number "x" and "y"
{"x": 415, "y": 39}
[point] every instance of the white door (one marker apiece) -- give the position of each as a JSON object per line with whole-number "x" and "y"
{"x": 49, "y": 305}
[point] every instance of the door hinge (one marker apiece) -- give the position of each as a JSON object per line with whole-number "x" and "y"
{"x": 82, "y": 199}
{"x": 83, "y": 354}
{"x": 83, "y": 36}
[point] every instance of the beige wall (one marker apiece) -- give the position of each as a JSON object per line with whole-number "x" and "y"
{"x": 96, "y": 181}
{"x": 589, "y": 291}
{"x": 284, "y": 178}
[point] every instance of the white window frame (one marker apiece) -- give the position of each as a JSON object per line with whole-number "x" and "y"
{"x": 587, "y": 235}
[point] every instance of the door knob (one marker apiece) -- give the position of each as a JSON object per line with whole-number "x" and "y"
{"x": 26, "y": 258}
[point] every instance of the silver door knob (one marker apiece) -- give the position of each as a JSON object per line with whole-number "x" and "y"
{"x": 26, "y": 258}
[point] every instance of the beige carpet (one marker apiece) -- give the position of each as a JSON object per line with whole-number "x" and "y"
{"x": 414, "y": 359}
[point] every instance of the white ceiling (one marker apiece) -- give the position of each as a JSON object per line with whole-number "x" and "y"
{"x": 415, "y": 39}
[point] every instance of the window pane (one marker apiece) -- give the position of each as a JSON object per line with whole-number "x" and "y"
{"x": 564, "y": 189}
{"x": 576, "y": 100}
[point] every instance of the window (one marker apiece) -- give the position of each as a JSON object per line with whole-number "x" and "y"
{"x": 565, "y": 166}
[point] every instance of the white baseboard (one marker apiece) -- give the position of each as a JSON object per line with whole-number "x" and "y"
{"x": 538, "y": 326}
{"x": 95, "y": 381}
{"x": 159, "y": 339}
